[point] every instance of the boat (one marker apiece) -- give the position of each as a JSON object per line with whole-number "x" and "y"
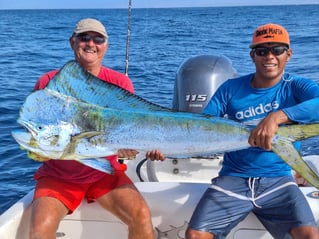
{"x": 171, "y": 188}
{"x": 171, "y": 199}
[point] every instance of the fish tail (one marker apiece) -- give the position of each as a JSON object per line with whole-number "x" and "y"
{"x": 287, "y": 152}
{"x": 298, "y": 132}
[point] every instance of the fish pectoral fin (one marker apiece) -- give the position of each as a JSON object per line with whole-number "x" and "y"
{"x": 86, "y": 135}
{"x": 288, "y": 153}
{"x": 70, "y": 148}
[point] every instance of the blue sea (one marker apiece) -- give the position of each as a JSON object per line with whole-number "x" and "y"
{"x": 36, "y": 41}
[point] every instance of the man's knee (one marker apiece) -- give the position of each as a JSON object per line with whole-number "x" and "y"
{"x": 194, "y": 234}
{"x": 142, "y": 214}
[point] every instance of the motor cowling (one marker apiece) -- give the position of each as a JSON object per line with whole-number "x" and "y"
{"x": 197, "y": 79}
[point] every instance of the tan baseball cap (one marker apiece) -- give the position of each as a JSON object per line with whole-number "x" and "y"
{"x": 90, "y": 25}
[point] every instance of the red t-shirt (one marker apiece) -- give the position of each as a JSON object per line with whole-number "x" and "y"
{"x": 70, "y": 170}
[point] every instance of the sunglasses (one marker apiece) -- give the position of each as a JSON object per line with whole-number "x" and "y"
{"x": 87, "y": 38}
{"x": 276, "y": 50}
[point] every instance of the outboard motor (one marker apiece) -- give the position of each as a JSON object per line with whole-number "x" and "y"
{"x": 197, "y": 79}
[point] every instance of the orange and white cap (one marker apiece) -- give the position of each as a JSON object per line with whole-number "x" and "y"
{"x": 270, "y": 33}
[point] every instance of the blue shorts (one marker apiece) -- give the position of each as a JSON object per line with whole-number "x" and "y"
{"x": 277, "y": 202}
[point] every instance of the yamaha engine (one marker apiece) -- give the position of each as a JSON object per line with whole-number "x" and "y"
{"x": 197, "y": 79}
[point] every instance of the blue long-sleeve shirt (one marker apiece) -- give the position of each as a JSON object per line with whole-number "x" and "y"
{"x": 298, "y": 97}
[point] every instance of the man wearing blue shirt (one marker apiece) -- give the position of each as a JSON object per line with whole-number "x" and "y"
{"x": 256, "y": 179}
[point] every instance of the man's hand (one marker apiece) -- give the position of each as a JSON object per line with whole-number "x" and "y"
{"x": 155, "y": 155}
{"x": 262, "y": 135}
{"x": 131, "y": 154}
{"x": 127, "y": 153}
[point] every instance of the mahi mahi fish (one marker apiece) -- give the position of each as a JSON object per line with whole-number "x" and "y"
{"x": 62, "y": 124}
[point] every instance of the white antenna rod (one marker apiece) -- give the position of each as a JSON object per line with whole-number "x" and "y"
{"x": 128, "y": 36}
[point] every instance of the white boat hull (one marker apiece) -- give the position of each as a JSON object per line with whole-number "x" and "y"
{"x": 172, "y": 203}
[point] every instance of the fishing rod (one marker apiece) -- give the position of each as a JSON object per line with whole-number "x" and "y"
{"x": 121, "y": 161}
{"x": 128, "y": 36}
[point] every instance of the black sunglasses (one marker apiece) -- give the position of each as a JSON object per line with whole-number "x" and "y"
{"x": 87, "y": 38}
{"x": 276, "y": 50}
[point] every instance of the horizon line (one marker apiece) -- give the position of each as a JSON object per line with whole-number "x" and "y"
{"x": 235, "y": 5}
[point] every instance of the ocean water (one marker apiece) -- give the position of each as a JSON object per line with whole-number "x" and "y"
{"x": 36, "y": 41}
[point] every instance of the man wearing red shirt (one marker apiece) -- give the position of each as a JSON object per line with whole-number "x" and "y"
{"x": 62, "y": 185}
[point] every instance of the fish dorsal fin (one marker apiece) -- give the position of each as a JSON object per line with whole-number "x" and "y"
{"x": 73, "y": 80}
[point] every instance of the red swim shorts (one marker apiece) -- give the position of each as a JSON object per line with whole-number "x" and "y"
{"x": 71, "y": 194}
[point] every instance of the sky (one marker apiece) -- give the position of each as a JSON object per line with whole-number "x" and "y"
{"x": 74, "y": 4}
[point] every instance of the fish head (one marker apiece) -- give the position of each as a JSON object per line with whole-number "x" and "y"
{"x": 47, "y": 128}
{"x": 45, "y": 140}
{"x": 59, "y": 142}
{"x": 60, "y": 127}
